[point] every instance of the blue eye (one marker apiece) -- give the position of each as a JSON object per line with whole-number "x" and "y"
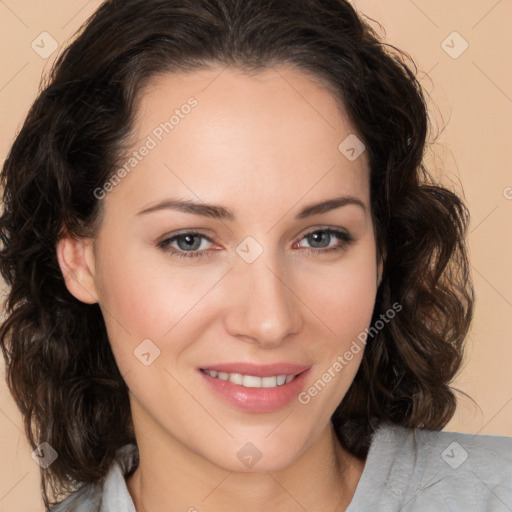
{"x": 185, "y": 243}
{"x": 190, "y": 241}
{"x": 319, "y": 236}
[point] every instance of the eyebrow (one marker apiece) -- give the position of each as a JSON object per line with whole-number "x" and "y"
{"x": 222, "y": 213}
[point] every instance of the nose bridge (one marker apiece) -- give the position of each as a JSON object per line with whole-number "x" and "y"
{"x": 265, "y": 308}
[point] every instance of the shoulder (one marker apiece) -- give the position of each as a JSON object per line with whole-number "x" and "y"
{"x": 110, "y": 493}
{"x": 454, "y": 448}
{"x": 448, "y": 468}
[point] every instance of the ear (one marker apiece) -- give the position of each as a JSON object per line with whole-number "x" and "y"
{"x": 76, "y": 261}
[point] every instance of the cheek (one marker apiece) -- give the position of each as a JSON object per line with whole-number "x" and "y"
{"x": 139, "y": 286}
{"x": 144, "y": 296}
{"x": 343, "y": 295}
{"x": 345, "y": 308}
{"x": 135, "y": 302}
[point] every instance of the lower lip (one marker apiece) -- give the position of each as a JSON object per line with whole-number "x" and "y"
{"x": 257, "y": 399}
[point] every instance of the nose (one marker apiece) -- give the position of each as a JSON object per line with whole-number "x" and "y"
{"x": 263, "y": 307}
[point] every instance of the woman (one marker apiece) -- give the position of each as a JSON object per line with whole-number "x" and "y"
{"x": 299, "y": 355}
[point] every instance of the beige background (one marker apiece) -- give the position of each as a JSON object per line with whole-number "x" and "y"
{"x": 473, "y": 94}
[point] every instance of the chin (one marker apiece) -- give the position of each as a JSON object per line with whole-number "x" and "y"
{"x": 257, "y": 456}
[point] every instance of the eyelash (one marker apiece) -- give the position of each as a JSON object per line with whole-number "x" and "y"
{"x": 345, "y": 240}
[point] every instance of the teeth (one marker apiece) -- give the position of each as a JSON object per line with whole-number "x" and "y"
{"x": 235, "y": 378}
{"x": 251, "y": 381}
{"x": 269, "y": 382}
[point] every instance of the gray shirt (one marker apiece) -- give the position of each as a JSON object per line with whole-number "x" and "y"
{"x": 406, "y": 470}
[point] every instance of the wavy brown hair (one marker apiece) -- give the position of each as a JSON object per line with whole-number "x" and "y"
{"x": 60, "y": 367}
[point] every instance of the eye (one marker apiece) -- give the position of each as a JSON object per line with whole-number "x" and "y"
{"x": 189, "y": 243}
{"x": 186, "y": 244}
{"x": 322, "y": 238}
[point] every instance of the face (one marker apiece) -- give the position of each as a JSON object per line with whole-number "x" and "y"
{"x": 252, "y": 284}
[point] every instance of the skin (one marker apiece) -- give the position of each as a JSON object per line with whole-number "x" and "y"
{"x": 265, "y": 146}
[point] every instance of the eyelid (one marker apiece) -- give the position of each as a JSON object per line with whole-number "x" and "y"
{"x": 169, "y": 238}
{"x": 194, "y": 231}
{"x": 325, "y": 227}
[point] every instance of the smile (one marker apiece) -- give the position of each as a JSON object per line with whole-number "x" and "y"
{"x": 251, "y": 381}
{"x": 254, "y": 387}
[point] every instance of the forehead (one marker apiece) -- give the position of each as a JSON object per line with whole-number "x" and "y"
{"x": 224, "y": 135}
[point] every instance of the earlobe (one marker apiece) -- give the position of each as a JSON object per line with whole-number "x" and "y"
{"x": 76, "y": 261}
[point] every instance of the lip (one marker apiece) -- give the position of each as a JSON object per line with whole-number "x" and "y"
{"x": 257, "y": 399}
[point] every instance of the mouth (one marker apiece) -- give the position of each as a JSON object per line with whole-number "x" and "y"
{"x": 256, "y": 388}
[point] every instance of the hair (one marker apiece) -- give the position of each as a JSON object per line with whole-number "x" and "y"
{"x": 59, "y": 365}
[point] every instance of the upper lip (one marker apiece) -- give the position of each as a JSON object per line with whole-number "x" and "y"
{"x": 258, "y": 370}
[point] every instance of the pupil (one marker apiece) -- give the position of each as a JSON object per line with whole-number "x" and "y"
{"x": 319, "y": 234}
{"x": 189, "y": 241}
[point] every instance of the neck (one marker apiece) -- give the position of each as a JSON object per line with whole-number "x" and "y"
{"x": 171, "y": 477}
